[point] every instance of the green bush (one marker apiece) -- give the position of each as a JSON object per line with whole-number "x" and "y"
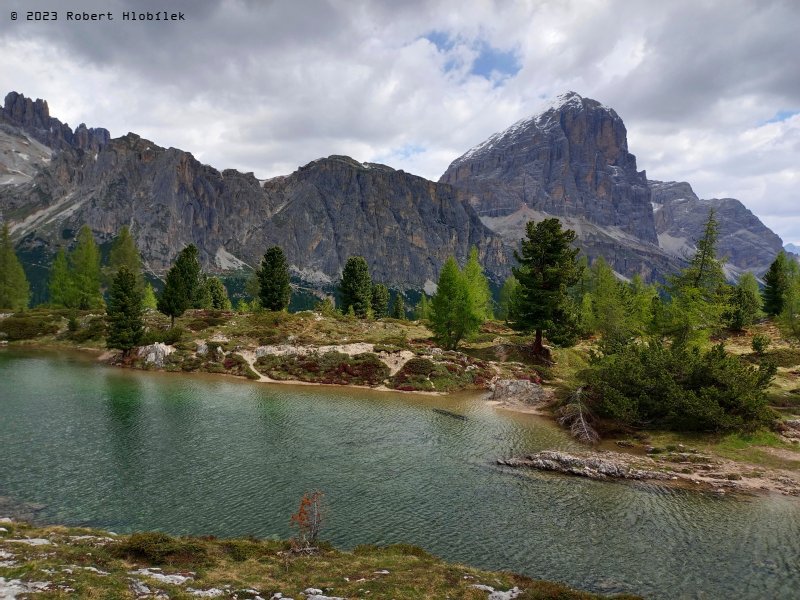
{"x": 760, "y": 343}
{"x": 27, "y": 326}
{"x": 169, "y": 336}
{"x": 331, "y": 367}
{"x": 94, "y": 329}
{"x": 654, "y": 386}
{"x": 160, "y": 548}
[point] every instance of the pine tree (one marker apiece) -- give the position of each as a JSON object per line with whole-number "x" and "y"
{"x": 422, "y": 311}
{"x": 547, "y": 268}
{"x": 609, "y": 307}
{"x": 640, "y": 304}
{"x": 85, "y": 263}
{"x": 274, "y": 288}
{"x": 789, "y": 319}
{"x": 218, "y": 294}
{"x": 399, "y": 307}
{"x": 202, "y": 298}
{"x": 380, "y": 300}
{"x": 125, "y": 253}
{"x": 356, "y": 287}
{"x": 452, "y": 312}
{"x": 182, "y": 284}
{"x": 14, "y": 289}
{"x": 125, "y": 326}
{"x": 62, "y": 285}
{"x": 776, "y": 282}
{"x": 480, "y": 296}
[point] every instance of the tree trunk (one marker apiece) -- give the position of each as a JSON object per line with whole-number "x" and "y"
{"x": 538, "y": 346}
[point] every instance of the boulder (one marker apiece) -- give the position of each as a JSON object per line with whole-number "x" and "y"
{"x": 519, "y": 390}
{"x": 156, "y": 353}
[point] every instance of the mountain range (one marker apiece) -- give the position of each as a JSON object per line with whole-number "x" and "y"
{"x": 570, "y": 160}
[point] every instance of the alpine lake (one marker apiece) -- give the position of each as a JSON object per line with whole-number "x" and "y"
{"x": 85, "y": 444}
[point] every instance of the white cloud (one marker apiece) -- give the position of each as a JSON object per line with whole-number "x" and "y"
{"x": 266, "y": 87}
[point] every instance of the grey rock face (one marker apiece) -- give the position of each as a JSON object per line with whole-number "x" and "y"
{"x": 34, "y": 117}
{"x": 744, "y": 242}
{"x": 572, "y": 160}
{"x": 519, "y": 390}
{"x": 320, "y": 215}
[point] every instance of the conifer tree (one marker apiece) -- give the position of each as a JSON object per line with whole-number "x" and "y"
{"x": 453, "y": 314}
{"x": 85, "y": 259}
{"x": 218, "y": 294}
{"x": 61, "y": 285}
{"x": 423, "y": 309}
{"x": 380, "y": 300}
{"x": 506, "y": 297}
{"x": 125, "y": 326}
{"x": 125, "y": 253}
{"x": 547, "y": 268}
{"x": 274, "y": 288}
{"x": 14, "y": 289}
{"x": 744, "y": 306}
{"x": 640, "y": 304}
{"x": 789, "y": 319}
{"x": 776, "y": 284}
{"x": 480, "y": 296}
{"x": 182, "y": 284}
{"x": 356, "y": 287}
{"x": 149, "y": 301}
{"x": 399, "y": 307}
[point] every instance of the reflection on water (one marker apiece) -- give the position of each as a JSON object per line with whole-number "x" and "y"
{"x": 129, "y": 451}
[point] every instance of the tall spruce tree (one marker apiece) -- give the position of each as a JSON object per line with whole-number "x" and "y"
{"x": 776, "y": 284}
{"x": 85, "y": 259}
{"x": 478, "y": 285}
{"x": 380, "y": 301}
{"x": 453, "y": 314}
{"x": 182, "y": 284}
{"x": 125, "y": 325}
{"x": 547, "y": 268}
{"x": 62, "y": 285}
{"x": 356, "y": 287}
{"x": 274, "y": 288}
{"x": 14, "y": 289}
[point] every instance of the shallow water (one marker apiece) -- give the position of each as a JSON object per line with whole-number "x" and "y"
{"x": 129, "y": 450}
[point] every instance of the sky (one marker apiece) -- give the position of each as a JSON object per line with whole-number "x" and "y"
{"x": 709, "y": 90}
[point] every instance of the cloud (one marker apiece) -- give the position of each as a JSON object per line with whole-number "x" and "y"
{"x": 709, "y": 91}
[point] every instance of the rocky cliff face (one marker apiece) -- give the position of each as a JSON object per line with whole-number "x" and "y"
{"x": 34, "y": 118}
{"x": 570, "y": 161}
{"x": 744, "y": 242}
{"x": 322, "y": 214}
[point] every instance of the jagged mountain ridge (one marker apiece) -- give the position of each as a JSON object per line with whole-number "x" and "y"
{"x": 571, "y": 160}
{"x": 744, "y": 242}
{"x": 321, "y": 214}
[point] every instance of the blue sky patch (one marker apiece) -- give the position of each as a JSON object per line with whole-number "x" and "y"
{"x": 492, "y": 60}
{"x": 782, "y": 115}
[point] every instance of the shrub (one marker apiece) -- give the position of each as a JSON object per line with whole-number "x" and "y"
{"x": 677, "y": 388}
{"x": 25, "y": 327}
{"x": 95, "y": 329}
{"x": 160, "y": 548}
{"x": 331, "y": 367}
{"x": 760, "y": 343}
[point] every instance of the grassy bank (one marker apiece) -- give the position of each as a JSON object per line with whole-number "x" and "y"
{"x": 60, "y": 562}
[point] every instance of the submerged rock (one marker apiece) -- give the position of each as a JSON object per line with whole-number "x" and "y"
{"x": 519, "y": 390}
{"x": 592, "y": 466}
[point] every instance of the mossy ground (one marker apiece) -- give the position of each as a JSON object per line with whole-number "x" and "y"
{"x": 70, "y": 565}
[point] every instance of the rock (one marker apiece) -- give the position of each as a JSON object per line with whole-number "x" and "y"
{"x": 6, "y": 520}
{"x": 519, "y": 390}
{"x": 592, "y": 466}
{"x": 312, "y": 592}
{"x": 381, "y": 572}
{"x": 202, "y": 348}
{"x": 209, "y": 593}
{"x": 156, "y": 353}
{"x": 31, "y": 541}
{"x": 3, "y": 530}
{"x": 10, "y": 588}
{"x": 483, "y": 588}
{"x": 154, "y": 573}
{"x": 509, "y": 595}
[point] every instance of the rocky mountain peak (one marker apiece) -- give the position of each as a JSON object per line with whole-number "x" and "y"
{"x": 33, "y": 117}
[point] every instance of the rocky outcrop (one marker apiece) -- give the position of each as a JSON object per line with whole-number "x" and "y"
{"x": 744, "y": 242}
{"x": 570, "y": 161}
{"x": 592, "y": 466}
{"x": 155, "y": 354}
{"x": 34, "y": 117}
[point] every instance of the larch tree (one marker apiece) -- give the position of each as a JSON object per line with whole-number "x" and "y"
{"x": 548, "y": 266}
{"x": 453, "y": 314}
{"x": 61, "y": 284}
{"x": 274, "y": 291}
{"x": 14, "y": 289}
{"x": 125, "y": 253}
{"x": 218, "y": 294}
{"x": 124, "y": 310}
{"x": 478, "y": 286}
{"x": 744, "y": 305}
{"x": 85, "y": 259}
{"x": 356, "y": 287}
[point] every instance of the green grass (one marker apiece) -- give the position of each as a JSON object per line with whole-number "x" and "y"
{"x": 267, "y": 566}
